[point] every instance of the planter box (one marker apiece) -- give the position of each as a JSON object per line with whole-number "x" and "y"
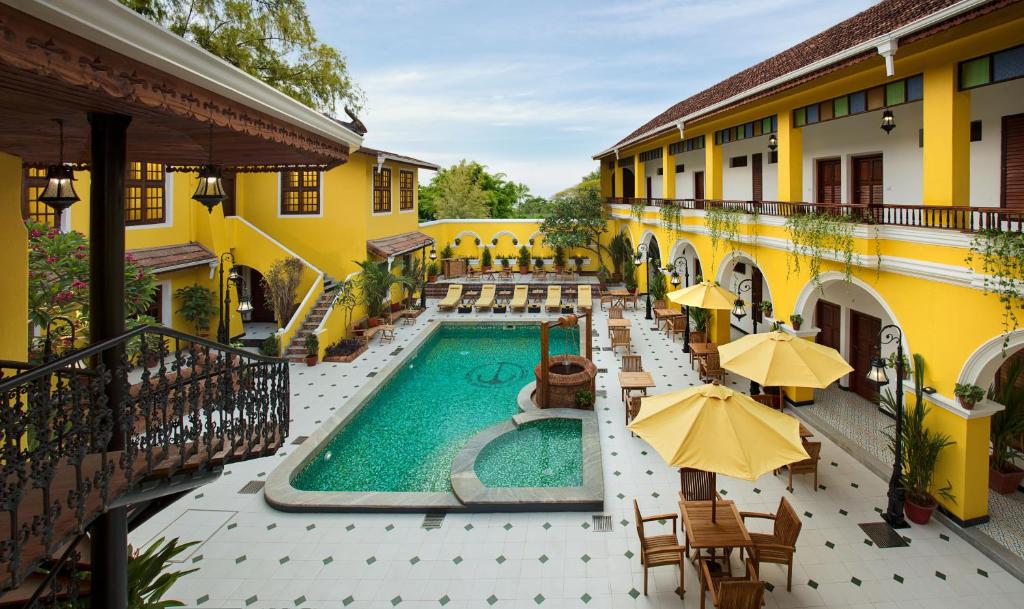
{"x": 500, "y": 309}
{"x": 465, "y": 309}
{"x": 346, "y": 359}
{"x": 413, "y": 313}
{"x": 1005, "y": 483}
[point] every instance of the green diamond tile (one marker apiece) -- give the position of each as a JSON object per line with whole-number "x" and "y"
{"x": 547, "y": 525}
{"x": 868, "y": 542}
{"x": 444, "y": 600}
{"x": 982, "y": 572}
{"x": 389, "y": 528}
{"x": 723, "y": 492}
{"x": 655, "y": 494}
{"x": 371, "y": 560}
{"x": 585, "y": 558}
{"x": 757, "y": 491}
{"x": 854, "y": 485}
{"x": 240, "y": 559}
{"x": 844, "y": 512}
{"x": 299, "y": 600}
{"x": 634, "y": 593}
{"x": 769, "y": 586}
{"x": 823, "y": 487}
{"x": 855, "y": 581}
{"x": 643, "y": 452}
{"x": 585, "y": 598}
{"x": 629, "y": 554}
{"x": 620, "y": 496}
{"x": 271, "y": 526}
{"x": 538, "y": 599}
{"x": 809, "y": 515}
{"x": 943, "y": 537}
{"x": 350, "y": 527}
{"x": 585, "y": 525}
{"x": 348, "y": 601}
{"x": 543, "y": 558}
{"x": 615, "y": 454}
{"x": 202, "y": 599}
{"x": 897, "y": 577}
{"x": 283, "y": 560}
{"x": 508, "y": 526}
{"x": 414, "y": 560}
{"x": 492, "y": 599}
{"x": 252, "y": 599}
{"x": 617, "y": 473}
{"x": 649, "y": 472}
{"x": 328, "y": 560}
{"x": 940, "y": 575}
{"x": 813, "y": 584}
{"x": 196, "y": 559}
{"x": 500, "y": 559}
{"x": 232, "y": 525}
{"x": 623, "y": 522}
{"x": 830, "y": 545}
{"x": 834, "y": 464}
{"x": 396, "y": 601}
{"x": 468, "y": 527}
{"x": 457, "y": 560}
{"x": 310, "y": 527}
{"x": 199, "y": 496}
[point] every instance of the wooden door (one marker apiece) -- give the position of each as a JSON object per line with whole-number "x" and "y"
{"x": 829, "y": 177}
{"x": 757, "y": 186}
{"x": 698, "y": 185}
{"x": 864, "y": 331}
{"x": 1012, "y": 174}
{"x": 867, "y": 180}
{"x": 828, "y": 318}
{"x": 628, "y": 184}
{"x": 647, "y": 192}
{"x": 756, "y": 292}
{"x": 262, "y": 310}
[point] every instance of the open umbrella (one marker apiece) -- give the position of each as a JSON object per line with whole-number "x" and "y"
{"x": 779, "y": 359}
{"x": 716, "y": 429}
{"x": 706, "y": 295}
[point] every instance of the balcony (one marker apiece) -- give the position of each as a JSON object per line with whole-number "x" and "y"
{"x": 98, "y": 429}
{"x": 961, "y": 218}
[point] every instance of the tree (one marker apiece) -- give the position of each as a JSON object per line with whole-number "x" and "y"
{"x": 533, "y": 207}
{"x": 576, "y": 219}
{"x": 272, "y": 40}
{"x": 281, "y": 282}
{"x": 590, "y": 181}
{"x": 458, "y": 194}
{"x": 503, "y": 198}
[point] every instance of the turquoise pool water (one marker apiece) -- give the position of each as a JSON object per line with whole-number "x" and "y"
{"x": 462, "y": 380}
{"x": 543, "y": 453}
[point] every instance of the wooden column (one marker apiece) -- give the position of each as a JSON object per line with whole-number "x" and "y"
{"x": 108, "y": 164}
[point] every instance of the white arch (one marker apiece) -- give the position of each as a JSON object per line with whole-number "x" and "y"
{"x": 467, "y": 233}
{"x": 981, "y": 367}
{"x": 501, "y": 233}
{"x": 729, "y": 262}
{"x": 538, "y": 239}
{"x": 679, "y": 248}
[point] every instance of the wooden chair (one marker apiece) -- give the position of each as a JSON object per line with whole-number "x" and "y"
{"x": 615, "y": 313}
{"x": 807, "y": 466}
{"x": 632, "y": 298}
{"x": 632, "y": 409}
{"x": 696, "y": 337}
{"x": 659, "y": 550}
{"x": 620, "y": 338}
{"x": 605, "y": 298}
{"x": 767, "y": 400}
{"x": 778, "y": 546}
{"x": 696, "y": 485}
{"x": 674, "y": 326}
{"x": 631, "y": 363}
{"x": 387, "y": 333}
{"x": 710, "y": 367}
{"x": 746, "y": 592}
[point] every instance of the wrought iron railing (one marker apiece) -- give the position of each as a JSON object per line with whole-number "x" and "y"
{"x": 119, "y": 421}
{"x": 956, "y": 217}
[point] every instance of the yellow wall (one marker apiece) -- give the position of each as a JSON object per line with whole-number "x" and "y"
{"x": 14, "y": 247}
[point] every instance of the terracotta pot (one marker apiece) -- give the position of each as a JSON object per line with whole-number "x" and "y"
{"x": 310, "y": 360}
{"x": 966, "y": 404}
{"x": 373, "y": 322}
{"x": 917, "y": 513}
{"x": 523, "y": 269}
{"x": 1007, "y": 482}
{"x": 796, "y": 324}
{"x": 431, "y": 278}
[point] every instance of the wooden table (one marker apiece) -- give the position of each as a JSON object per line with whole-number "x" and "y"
{"x": 620, "y": 297}
{"x": 619, "y": 323}
{"x": 663, "y": 314}
{"x": 805, "y": 433}
{"x": 635, "y": 381}
{"x": 727, "y": 532}
{"x": 701, "y": 350}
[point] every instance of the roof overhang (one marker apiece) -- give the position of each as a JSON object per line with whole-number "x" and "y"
{"x": 384, "y": 156}
{"x": 396, "y": 245}
{"x": 169, "y": 258}
{"x": 865, "y": 49}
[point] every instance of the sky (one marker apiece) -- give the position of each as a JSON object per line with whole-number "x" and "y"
{"x": 535, "y": 89}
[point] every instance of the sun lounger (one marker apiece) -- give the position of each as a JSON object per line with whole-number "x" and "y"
{"x": 583, "y": 299}
{"x": 486, "y": 300}
{"x": 452, "y": 299}
{"x": 554, "y": 301}
{"x": 519, "y": 298}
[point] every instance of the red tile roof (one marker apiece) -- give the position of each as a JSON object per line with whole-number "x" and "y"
{"x": 167, "y": 258}
{"x": 876, "y": 21}
{"x": 398, "y": 158}
{"x": 397, "y": 245}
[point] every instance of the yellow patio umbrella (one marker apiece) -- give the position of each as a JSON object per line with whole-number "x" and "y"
{"x": 779, "y": 359}
{"x": 705, "y": 295}
{"x": 718, "y": 430}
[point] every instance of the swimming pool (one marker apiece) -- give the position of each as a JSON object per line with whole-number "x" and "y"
{"x": 461, "y": 380}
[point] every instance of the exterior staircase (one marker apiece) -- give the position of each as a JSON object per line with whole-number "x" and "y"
{"x": 296, "y": 351}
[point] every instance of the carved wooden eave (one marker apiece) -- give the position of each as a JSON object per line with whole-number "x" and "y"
{"x": 47, "y": 72}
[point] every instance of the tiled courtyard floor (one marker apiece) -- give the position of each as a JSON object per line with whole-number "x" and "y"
{"x": 254, "y": 556}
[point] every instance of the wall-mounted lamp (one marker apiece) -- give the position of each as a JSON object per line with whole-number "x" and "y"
{"x": 773, "y": 142}
{"x": 888, "y": 122}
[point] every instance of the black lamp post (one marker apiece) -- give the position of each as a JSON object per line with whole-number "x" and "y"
{"x": 643, "y": 254}
{"x": 739, "y": 311}
{"x": 426, "y": 273}
{"x": 675, "y": 280}
{"x": 897, "y": 494}
{"x": 244, "y": 304}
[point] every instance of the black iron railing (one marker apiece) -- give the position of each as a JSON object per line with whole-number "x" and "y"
{"x": 963, "y": 218}
{"x": 175, "y": 407}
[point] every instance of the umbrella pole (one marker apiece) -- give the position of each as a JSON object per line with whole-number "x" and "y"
{"x": 714, "y": 494}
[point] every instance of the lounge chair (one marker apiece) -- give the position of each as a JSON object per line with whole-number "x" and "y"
{"x": 520, "y": 298}
{"x": 554, "y": 301}
{"x": 584, "y": 302}
{"x": 452, "y": 299}
{"x": 486, "y": 300}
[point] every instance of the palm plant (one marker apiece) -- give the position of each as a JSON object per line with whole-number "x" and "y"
{"x": 699, "y": 318}
{"x": 1007, "y": 425}
{"x": 413, "y": 279}
{"x": 148, "y": 578}
{"x": 375, "y": 283}
{"x": 619, "y": 250}
{"x": 658, "y": 287}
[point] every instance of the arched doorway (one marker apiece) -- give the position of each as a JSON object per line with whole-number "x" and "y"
{"x": 628, "y": 183}
{"x": 733, "y": 274}
{"x": 684, "y": 259}
{"x": 262, "y": 310}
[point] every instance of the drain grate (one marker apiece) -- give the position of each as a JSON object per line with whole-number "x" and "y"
{"x": 300, "y": 439}
{"x": 602, "y": 523}
{"x": 883, "y": 535}
{"x": 433, "y": 520}
{"x": 252, "y": 487}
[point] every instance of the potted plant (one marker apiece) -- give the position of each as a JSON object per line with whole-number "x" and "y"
{"x": 538, "y": 263}
{"x": 312, "y": 349}
{"x": 766, "y": 308}
{"x": 619, "y": 250}
{"x": 559, "y": 259}
{"x": 579, "y": 263}
{"x": 375, "y": 283}
{"x": 796, "y": 320}
{"x": 968, "y": 395}
{"x": 658, "y": 287}
{"x": 447, "y": 252}
{"x": 700, "y": 318}
{"x": 629, "y": 275}
{"x": 485, "y": 259}
{"x": 270, "y": 346}
{"x": 432, "y": 271}
{"x": 890, "y": 362}
{"x": 494, "y": 241}
{"x": 584, "y": 399}
{"x": 506, "y": 263}
{"x": 1006, "y": 428}
{"x": 922, "y": 447}
{"x": 524, "y": 260}
{"x": 196, "y": 306}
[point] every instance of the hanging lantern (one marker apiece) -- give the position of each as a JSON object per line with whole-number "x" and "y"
{"x": 773, "y": 142}
{"x": 433, "y": 254}
{"x": 876, "y": 375}
{"x": 59, "y": 193}
{"x": 675, "y": 279}
{"x": 739, "y": 310}
{"x": 888, "y": 121}
{"x": 210, "y": 190}
{"x": 244, "y": 303}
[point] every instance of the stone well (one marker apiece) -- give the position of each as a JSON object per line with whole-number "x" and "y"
{"x": 567, "y": 374}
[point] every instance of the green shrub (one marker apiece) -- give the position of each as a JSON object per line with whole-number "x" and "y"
{"x": 270, "y": 346}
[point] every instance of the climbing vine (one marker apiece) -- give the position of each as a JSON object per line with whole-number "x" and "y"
{"x": 670, "y": 215}
{"x": 723, "y": 222}
{"x": 815, "y": 237}
{"x": 636, "y": 209}
{"x": 1002, "y": 265}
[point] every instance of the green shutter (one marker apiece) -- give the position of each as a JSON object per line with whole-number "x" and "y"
{"x": 841, "y": 106}
{"x": 974, "y": 73}
{"x": 895, "y": 93}
{"x": 800, "y": 117}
